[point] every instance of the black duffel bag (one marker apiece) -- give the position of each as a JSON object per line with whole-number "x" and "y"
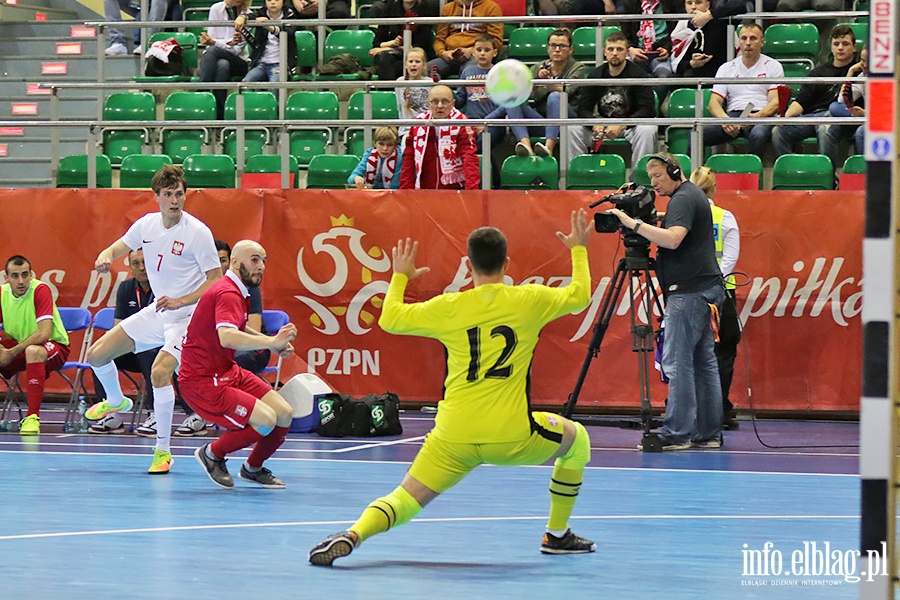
{"x": 345, "y": 416}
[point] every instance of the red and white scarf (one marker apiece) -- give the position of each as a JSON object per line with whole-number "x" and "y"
{"x": 448, "y": 135}
{"x": 647, "y": 31}
{"x": 682, "y": 40}
{"x": 387, "y": 168}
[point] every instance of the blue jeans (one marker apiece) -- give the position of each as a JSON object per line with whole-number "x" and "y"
{"x": 694, "y": 409}
{"x": 838, "y": 132}
{"x": 523, "y": 111}
{"x": 263, "y": 72}
{"x": 785, "y": 136}
{"x": 757, "y": 136}
{"x": 554, "y": 113}
{"x": 111, "y": 12}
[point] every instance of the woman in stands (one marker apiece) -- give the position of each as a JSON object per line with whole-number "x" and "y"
{"x": 226, "y": 53}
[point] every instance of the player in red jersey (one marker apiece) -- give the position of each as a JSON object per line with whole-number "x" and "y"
{"x": 222, "y": 392}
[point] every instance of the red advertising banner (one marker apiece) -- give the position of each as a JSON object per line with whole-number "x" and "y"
{"x": 329, "y": 267}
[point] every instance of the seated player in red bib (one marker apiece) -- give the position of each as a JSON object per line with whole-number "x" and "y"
{"x": 222, "y": 392}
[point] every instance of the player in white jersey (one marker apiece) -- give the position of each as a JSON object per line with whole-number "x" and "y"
{"x": 182, "y": 262}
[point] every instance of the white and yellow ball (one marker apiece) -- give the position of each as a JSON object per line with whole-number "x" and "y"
{"x": 508, "y": 83}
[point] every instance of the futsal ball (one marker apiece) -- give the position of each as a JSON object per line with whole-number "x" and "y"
{"x": 508, "y": 83}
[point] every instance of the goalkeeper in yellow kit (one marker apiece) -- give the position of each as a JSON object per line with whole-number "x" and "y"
{"x": 490, "y": 333}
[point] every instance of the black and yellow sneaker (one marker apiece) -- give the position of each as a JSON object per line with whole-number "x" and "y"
{"x": 334, "y": 546}
{"x": 567, "y": 544}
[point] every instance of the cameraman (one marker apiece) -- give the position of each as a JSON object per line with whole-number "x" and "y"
{"x": 691, "y": 283}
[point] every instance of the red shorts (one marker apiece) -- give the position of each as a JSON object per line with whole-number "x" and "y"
{"x": 227, "y": 400}
{"x": 56, "y": 358}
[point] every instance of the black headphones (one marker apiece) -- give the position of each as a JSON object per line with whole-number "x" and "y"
{"x": 672, "y": 168}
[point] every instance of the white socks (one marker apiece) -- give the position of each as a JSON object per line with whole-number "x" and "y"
{"x": 108, "y": 375}
{"x": 164, "y": 407}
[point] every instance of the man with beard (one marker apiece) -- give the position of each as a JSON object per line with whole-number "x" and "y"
{"x": 221, "y": 391}
{"x": 619, "y": 102}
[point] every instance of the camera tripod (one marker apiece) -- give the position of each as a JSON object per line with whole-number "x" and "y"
{"x": 636, "y": 264}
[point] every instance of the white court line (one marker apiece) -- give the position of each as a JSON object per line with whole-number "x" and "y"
{"x": 241, "y": 454}
{"x": 378, "y": 444}
{"x": 32, "y": 536}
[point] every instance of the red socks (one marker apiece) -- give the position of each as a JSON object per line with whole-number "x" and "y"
{"x": 35, "y": 376}
{"x": 232, "y": 441}
{"x": 267, "y": 446}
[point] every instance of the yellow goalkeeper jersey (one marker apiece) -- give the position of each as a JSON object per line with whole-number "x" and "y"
{"x": 490, "y": 333}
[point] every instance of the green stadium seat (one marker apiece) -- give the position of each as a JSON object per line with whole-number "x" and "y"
{"x": 127, "y": 106}
{"x": 736, "y": 171}
{"x": 529, "y": 44}
{"x": 596, "y": 172}
{"x": 681, "y": 103}
{"x": 792, "y": 42}
{"x": 307, "y": 53}
{"x": 188, "y": 42}
{"x": 264, "y": 171}
{"x": 853, "y": 175}
{"x": 584, "y": 42}
{"x": 179, "y": 143}
{"x": 802, "y": 172}
{"x": 258, "y": 106}
{"x": 357, "y": 42}
{"x": 73, "y": 171}
{"x": 330, "y": 171}
{"x": 639, "y": 172}
{"x": 209, "y": 171}
{"x": 529, "y": 173}
{"x": 384, "y": 106}
{"x": 137, "y": 170}
{"x": 310, "y": 106}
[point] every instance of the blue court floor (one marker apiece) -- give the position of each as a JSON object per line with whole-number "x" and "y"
{"x": 82, "y": 519}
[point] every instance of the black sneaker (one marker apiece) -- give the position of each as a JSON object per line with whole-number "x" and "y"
{"x": 567, "y": 544}
{"x": 263, "y": 477}
{"x": 334, "y": 546}
{"x": 215, "y": 468}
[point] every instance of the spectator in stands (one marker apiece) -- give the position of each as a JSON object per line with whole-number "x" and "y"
{"x": 546, "y": 98}
{"x": 35, "y": 340}
{"x": 380, "y": 166}
{"x": 814, "y": 99}
{"x": 265, "y": 56}
{"x": 475, "y": 101}
{"x": 454, "y": 43}
{"x": 824, "y": 26}
{"x": 578, "y": 7}
{"x": 112, "y": 11}
{"x": 387, "y": 48}
{"x": 650, "y": 41}
{"x": 412, "y": 101}
{"x": 440, "y": 157}
{"x": 850, "y": 102}
{"x": 334, "y": 9}
{"x": 698, "y": 44}
{"x": 159, "y": 10}
{"x": 753, "y": 64}
{"x": 226, "y": 48}
{"x": 616, "y": 102}
{"x": 252, "y": 360}
{"x": 728, "y": 249}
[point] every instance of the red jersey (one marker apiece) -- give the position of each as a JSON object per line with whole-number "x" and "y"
{"x": 225, "y": 304}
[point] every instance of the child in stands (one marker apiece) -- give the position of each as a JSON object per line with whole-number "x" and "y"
{"x": 412, "y": 100}
{"x": 379, "y": 168}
